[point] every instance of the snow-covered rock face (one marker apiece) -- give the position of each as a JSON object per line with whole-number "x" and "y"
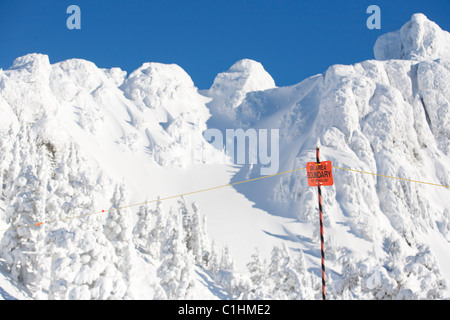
{"x": 156, "y": 108}
{"x": 171, "y": 110}
{"x": 154, "y": 84}
{"x": 231, "y": 87}
{"x": 419, "y": 39}
{"x": 33, "y": 63}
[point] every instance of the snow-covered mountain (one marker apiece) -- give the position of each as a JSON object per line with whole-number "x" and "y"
{"x": 77, "y": 139}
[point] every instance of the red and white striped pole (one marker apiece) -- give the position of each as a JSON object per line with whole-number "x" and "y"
{"x": 322, "y": 246}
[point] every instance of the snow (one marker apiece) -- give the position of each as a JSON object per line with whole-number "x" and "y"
{"x": 418, "y": 39}
{"x": 231, "y": 87}
{"x": 79, "y": 139}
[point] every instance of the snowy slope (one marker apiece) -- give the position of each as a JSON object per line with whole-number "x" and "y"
{"x": 79, "y": 139}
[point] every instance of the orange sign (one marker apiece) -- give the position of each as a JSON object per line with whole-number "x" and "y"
{"x": 319, "y": 174}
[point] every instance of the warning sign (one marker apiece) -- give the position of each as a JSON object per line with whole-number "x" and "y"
{"x": 319, "y": 173}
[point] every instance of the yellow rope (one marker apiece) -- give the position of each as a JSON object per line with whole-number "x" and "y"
{"x": 151, "y": 201}
{"x": 213, "y": 188}
{"x": 381, "y": 175}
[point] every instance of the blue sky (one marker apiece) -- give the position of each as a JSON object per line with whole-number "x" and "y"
{"x": 293, "y": 39}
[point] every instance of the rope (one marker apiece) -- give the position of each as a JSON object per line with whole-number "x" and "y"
{"x": 209, "y": 189}
{"x": 151, "y": 201}
{"x": 384, "y": 176}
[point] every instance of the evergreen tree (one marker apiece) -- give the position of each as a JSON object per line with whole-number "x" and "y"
{"x": 226, "y": 261}
{"x": 83, "y": 260}
{"x": 351, "y": 277}
{"x": 118, "y": 230}
{"x": 287, "y": 277}
{"x": 25, "y": 207}
{"x": 276, "y": 277}
{"x": 6, "y": 161}
{"x": 156, "y": 235}
{"x": 177, "y": 264}
{"x": 423, "y": 267}
{"x": 400, "y": 275}
{"x": 213, "y": 261}
{"x": 257, "y": 268}
{"x": 201, "y": 239}
{"x": 306, "y": 290}
{"x": 141, "y": 231}
{"x": 236, "y": 284}
{"x": 195, "y": 233}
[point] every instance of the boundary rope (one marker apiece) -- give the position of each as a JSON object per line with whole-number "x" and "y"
{"x": 384, "y": 176}
{"x": 209, "y": 189}
{"x": 151, "y": 201}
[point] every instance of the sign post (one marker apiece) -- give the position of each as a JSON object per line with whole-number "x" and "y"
{"x": 320, "y": 174}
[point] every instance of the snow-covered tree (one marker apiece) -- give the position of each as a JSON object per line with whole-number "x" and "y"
{"x": 236, "y": 284}
{"x": 23, "y": 244}
{"x": 257, "y": 272}
{"x": 423, "y": 268}
{"x": 82, "y": 266}
{"x": 118, "y": 230}
{"x": 194, "y": 226}
{"x": 257, "y": 268}
{"x": 7, "y": 164}
{"x": 151, "y": 241}
{"x": 213, "y": 259}
{"x": 404, "y": 277}
{"x": 287, "y": 276}
{"x": 226, "y": 261}
{"x": 177, "y": 263}
{"x": 350, "y": 283}
{"x": 141, "y": 231}
{"x": 83, "y": 261}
